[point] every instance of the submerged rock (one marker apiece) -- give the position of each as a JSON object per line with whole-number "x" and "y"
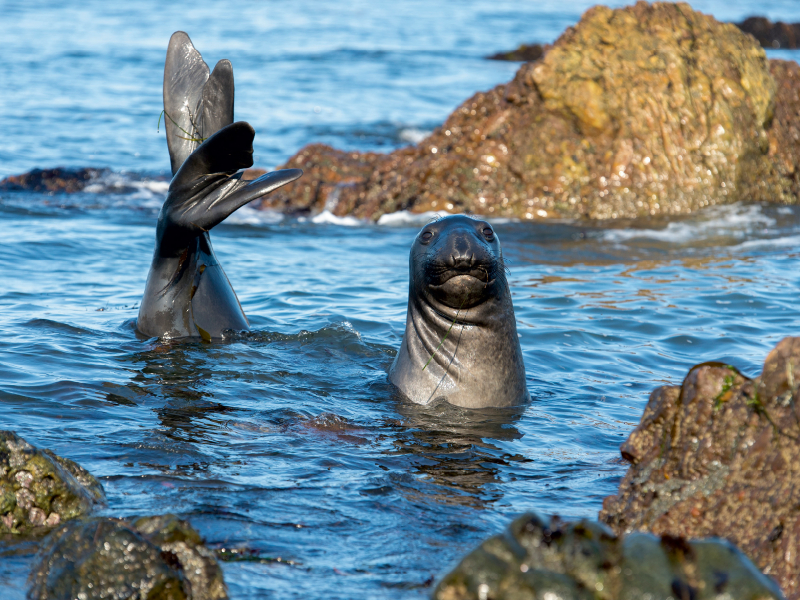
{"x": 152, "y": 558}
{"x": 59, "y": 179}
{"x": 39, "y": 489}
{"x": 719, "y": 456}
{"x": 524, "y": 53}
{"x": 644, "y": 110}
{"x": 537, "y": 559}
{"x": 772, "y": 35}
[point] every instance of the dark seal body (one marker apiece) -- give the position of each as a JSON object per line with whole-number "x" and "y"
{"x": 187, "y": 293}
{"x": 460, "y": 342}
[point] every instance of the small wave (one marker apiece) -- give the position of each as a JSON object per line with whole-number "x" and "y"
{"x": 128, "y": 184}
{"x": 326, "y": 217}
{"x": 412, "y": 135}
{"x": 792, "y": 241}
{"x": 247, "y": 215}
{"x": 403, "y": 218}
{"x": 729, "y": 221}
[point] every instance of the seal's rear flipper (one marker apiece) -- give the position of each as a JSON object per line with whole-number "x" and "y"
{"x": 196, "y": 105}
{"x": 247, "y": 191}
{"x": 212, "y": 165}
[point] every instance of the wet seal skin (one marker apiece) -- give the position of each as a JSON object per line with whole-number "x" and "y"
{"x": 187, "y": 293}
{"x": 460, "y": 343}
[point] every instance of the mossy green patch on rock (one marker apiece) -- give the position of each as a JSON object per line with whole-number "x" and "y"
{"x": 538, "y": 559}
{"x": 39, "y": 489}
{"x": 151, "y": 558}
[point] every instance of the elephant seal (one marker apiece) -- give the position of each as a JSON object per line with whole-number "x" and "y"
{"x": 460, "y": 342}
{"x": 187, "y": 293}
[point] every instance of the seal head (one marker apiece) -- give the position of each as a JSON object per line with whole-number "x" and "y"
{"x": 460, "y": 342}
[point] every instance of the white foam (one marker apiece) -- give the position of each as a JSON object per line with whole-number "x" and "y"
{"x": 413, "y": 135}
{"x": 730, "y": 221}
{"x": 403, "y": 218}
{"x": 247, "y": 215}
{"x": 148, "y": 191}
{"x": 326, "y": 217}
{"x": 792, "y": 241}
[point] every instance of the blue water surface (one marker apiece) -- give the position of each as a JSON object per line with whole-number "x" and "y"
{"x": 285, "y": 444}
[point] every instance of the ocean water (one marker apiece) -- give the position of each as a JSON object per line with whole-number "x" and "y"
{"x": 284, "y": 444}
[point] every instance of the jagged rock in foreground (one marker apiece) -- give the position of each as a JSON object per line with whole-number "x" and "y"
{"x": 772, "y": 35}
{"x": 152, "y": 558}
{"x": 720, "y": 456}
{"x": 644, "y": 110}
{"x": 39, "y": 489}
{"x": 536, "y": 559}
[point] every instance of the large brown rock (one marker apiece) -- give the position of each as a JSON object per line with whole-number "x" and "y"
{"x": 720, "y": 456}
{"x": 645, "y": 110}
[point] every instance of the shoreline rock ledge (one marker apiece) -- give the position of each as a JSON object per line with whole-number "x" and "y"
{"x": 720, "y": 456}
{"x": 653, "y": 109}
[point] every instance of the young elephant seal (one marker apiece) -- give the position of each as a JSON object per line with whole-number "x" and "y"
{"x": 187, "y": 293}
{"x": 461, "y": 342}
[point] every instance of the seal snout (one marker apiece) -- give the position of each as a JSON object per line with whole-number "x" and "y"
{"x": 460, "y": 261}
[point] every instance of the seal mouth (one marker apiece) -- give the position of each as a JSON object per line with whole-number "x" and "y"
{"x": 442, "y": 276}
{"x": 462, "y": 282}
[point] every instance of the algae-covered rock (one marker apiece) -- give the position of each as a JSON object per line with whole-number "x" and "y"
{"x": 645, "y": 110}
{"x": 39, "y": 489}
{"x": 719, "y": 456}
{"x": 540, "y": 559}
{"x": 152, "y": 558}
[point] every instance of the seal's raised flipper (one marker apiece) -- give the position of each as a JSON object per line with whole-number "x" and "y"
{"x": 187, "y": 292}
{"x": 205, "y": 191}
{"x": 196, "y": 105}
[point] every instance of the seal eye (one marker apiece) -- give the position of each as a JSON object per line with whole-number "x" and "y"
{"x": 426, "y": 236}
{"x": 487, "y": 231}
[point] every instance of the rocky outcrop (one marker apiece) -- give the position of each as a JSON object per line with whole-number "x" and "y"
{"x": 39, "y": 489}
{"x": 719, "y": 456}
{"x": 52, "y": 180}
{"x": 646, "y": 110}
{"x": 772, "y": 35}
{"x": 537, "y": 558}
{"x": 152, "y": 558}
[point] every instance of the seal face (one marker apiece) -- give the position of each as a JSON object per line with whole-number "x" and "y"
{"x": 460, "y": 342}
{"x": 187, "y": 293}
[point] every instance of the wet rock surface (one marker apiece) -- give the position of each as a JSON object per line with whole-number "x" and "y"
{"x": 772, "y": 35}
{"x": 718, "y": 456}
{"x": 39, "y": 489}
{"x": 151, "y": 558}
{"x": 52, "y": 180}
{"x": 524, "y": 53}
{"x": 538, "y": 558}
{"x": 693, "y": 126}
